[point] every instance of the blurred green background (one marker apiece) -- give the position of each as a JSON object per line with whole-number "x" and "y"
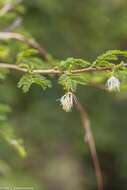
{"x": 57, "y": 157}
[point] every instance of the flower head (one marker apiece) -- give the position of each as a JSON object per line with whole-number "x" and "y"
{"x": 67, "y": 101}
{"x": 113, "y": 84}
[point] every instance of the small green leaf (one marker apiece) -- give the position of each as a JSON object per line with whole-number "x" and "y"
{"x": 67, "y": 83}
{"x": 28, "y": 79}
{"x": 26, "y": 54}
{"x": 108, "y": 58}
{"x": 74, "y": 63}
{"x": 25, "y": 83}
{"x": 70, "y": 82}
{"x": 29, "y": 59}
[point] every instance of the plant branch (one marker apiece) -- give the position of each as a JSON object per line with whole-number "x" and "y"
{"x": 89, "y": 139}
{"x": 52, "y": 70}
{"x": 30, "y": 42}
{"x": 8, "y": 7}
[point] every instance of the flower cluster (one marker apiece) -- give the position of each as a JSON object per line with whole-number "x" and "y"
{"x": 113, "y": 84}
{"x": 67, "y": 101}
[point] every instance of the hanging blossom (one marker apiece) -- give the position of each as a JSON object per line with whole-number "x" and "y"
{"x": 113, "y": 84}
{"x": 67, "y": 101}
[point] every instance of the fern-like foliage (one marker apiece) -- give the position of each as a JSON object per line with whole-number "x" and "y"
{"x": 109, "y": 58}
{"x": 28, "y": 79}
{"x": 74, "y": 63}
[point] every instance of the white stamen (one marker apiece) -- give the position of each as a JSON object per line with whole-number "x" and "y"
{"x": 113, "y": 84}
{"x": 67, "y": 101}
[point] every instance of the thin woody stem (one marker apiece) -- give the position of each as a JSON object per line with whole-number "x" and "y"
{"x": 89, "y": 139}
{"x": 54, "y": 71}
{"x": 8, "y": 7}
{"x": 30, "y": 42}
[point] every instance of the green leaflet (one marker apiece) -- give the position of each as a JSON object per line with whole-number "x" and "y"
{"x": 26, "y": 54}
{"x": 28, "y": 79}
{"x": 30, "y": 60}
{"x": 109, "y": 57}
{"x": 70, "y": 82}
{"x": 32, "y": 63}
{"x": 67, "y": 83}
{"x": 74, "y": 63}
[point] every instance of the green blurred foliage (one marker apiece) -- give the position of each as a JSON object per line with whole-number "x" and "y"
{"x": 56, "y": 155}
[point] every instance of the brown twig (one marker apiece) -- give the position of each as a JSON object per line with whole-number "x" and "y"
{"x": 52, "y": 70}
{"x": 89, "y": 139}
{"x": 32, "y": 43}
{"x": 8, "y": 7}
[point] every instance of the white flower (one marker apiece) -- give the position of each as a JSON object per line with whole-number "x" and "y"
{"x": 113, "y": 84}
{"x": 67, "y": 101}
